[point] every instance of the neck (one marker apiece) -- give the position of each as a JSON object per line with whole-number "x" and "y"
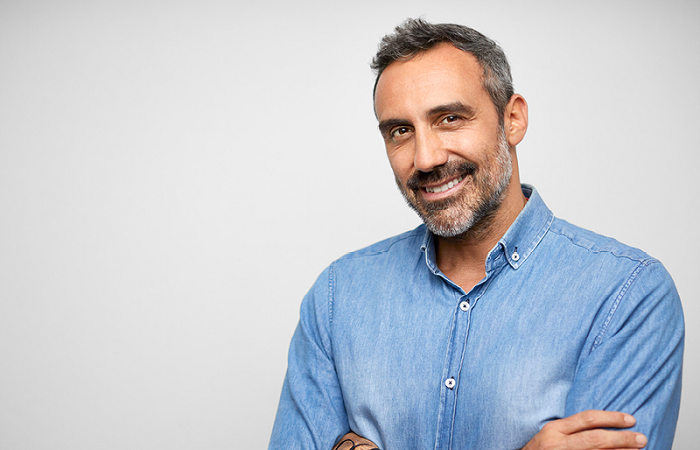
{"x": 463, "y": 258}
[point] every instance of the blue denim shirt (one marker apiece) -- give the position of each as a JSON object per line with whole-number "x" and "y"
{"x": 565, "y": 320}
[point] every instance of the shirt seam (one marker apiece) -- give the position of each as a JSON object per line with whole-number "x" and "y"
{"x": 331, "y": 299}
{"x": 647, "y": 260}
{"x": 620, "y": 297}
{"x": 365, "y": 252}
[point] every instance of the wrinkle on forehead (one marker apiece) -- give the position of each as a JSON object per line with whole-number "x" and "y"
{"x": 439, "y": 76}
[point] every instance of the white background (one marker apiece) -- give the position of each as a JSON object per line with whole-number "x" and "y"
{"x": 175, "y": 174}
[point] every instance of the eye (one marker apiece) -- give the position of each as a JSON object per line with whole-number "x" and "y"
{"x": 399, "y": 132}
{"x": 450, "y": 119}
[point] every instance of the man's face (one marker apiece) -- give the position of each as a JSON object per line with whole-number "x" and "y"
{"x": 445, "y": 143}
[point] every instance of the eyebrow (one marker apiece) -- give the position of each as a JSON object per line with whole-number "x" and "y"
{"x": 455, "y": 107}
{"x": 386, "y": 125}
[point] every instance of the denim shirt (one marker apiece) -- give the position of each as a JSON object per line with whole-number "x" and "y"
{"x": 565, "y": 320}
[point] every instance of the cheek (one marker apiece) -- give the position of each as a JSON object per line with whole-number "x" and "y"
{"x": 401, "y": 173}
{"x": 401, "y": 163}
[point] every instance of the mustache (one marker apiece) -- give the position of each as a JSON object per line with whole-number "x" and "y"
{"x": 448, "y": 170}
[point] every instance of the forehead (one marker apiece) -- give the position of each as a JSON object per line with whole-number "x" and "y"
{"x": 439, "y": 76}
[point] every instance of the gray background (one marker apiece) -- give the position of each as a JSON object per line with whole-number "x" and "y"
{"x": 175, "y": 174}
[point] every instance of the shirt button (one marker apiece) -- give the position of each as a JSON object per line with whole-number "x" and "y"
{"x": 450, "y": 383}
{"x": 515, "y": 256}
{"x": 464, "y": 305}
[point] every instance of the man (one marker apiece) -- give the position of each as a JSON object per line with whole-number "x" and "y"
{"x": 494, "y": 325}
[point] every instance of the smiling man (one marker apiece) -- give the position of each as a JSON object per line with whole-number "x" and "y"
{"x": 494, "y": 325}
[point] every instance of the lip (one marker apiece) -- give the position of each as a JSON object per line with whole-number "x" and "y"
{"x": 446, "y": 193}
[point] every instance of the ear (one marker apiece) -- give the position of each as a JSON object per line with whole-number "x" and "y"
{"x": 515, "y": 120}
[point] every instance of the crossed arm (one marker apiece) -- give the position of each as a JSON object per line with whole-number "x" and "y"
{"x": 582, "y": 431}
{"x": 640, "y": 357}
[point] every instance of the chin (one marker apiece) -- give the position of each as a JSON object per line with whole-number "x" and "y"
{"x": 449, "y": 229}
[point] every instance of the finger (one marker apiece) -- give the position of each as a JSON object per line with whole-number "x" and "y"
{"x": 353, "y": 441}
{"x": 607, "y": 439}
{"x": 591, "y": 419}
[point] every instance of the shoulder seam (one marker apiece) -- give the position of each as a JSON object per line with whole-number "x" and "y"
{"x": 645, "y": 261}
{"x": 613, "y": 309}
{"x": 365, "y": 252}
{"x": 331, "y": 271}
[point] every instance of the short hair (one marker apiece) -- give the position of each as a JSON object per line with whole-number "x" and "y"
{"x": 416, "y": 35}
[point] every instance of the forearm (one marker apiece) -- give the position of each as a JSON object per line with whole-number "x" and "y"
{"x": 311, "y": 413}
{"x": 588, "y": 430}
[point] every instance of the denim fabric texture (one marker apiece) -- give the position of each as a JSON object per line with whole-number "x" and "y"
{"x": 564, "y": 321}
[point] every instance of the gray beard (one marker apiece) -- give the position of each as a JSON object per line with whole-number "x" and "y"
{"x": 491, "y": 188}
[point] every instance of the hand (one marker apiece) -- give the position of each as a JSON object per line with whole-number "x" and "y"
{"x": 352, "y": 441}
{"x": 584, "y": 431}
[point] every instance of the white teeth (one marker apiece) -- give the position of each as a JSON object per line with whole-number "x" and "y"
{"x": 446, "y": 186}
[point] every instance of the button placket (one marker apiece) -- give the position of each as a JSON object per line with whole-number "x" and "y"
{"x": 456, "y": 351}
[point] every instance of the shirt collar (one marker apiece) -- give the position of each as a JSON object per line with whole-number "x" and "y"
{"x": 526, "y": 232}
{"x": 428, "y": 248}
{"x": 520, "y": 240}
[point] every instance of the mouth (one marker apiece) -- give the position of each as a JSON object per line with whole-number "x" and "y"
{"x": 442, "y": 184}
{"x": 444, "y": 187}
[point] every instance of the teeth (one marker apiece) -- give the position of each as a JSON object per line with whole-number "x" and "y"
{"x": 446, "y": 186}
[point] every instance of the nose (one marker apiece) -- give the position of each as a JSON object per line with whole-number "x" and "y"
{"x": 429, "y": 151}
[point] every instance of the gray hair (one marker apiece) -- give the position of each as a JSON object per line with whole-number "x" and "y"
{"x": 416, "y": 35}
